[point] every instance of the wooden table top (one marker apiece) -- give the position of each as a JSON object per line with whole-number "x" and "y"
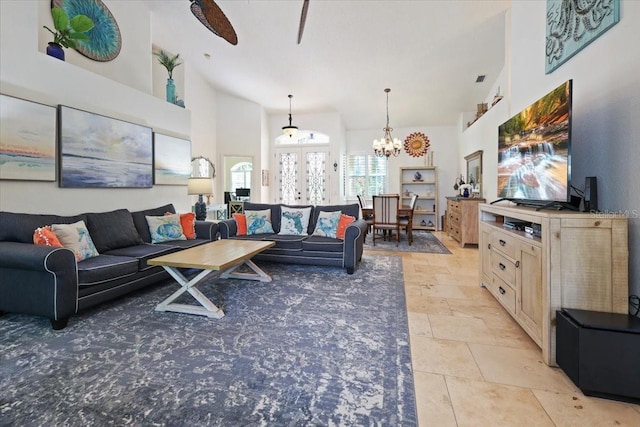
{"x": 218, "y": 255}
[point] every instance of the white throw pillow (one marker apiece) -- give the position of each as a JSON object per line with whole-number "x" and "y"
{"x": 294, "y": 221}
{"x": 259, "y": 222}
{"x": 165, "y": 228}
{"x": 76, "y": 237}
{"x": 327, "y": 224}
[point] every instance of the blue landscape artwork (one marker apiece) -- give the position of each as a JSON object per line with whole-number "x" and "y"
{"x": 99, "y": 151}
{"x": 172, "y": 158}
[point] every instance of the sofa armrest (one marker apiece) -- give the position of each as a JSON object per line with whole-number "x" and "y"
{"x": 354, "y": 244}
{"x": 207, "y": 230}
{"x": 39, "y": 280}
{"x": 228, "y": 228}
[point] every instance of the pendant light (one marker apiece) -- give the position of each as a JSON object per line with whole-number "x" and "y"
{"x": 387, "y": 145}
{"x": 290, "y": 130}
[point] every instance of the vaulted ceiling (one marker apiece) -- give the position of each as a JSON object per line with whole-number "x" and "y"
{"x": 429, "y": 52}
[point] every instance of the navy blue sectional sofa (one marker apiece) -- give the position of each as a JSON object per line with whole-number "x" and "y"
{"x": 47, "y": 281}
{"x": 308, "y": 249}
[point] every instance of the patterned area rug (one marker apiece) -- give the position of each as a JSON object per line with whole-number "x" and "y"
{"x": 423, "y": 241}
{"x": 313, "y": 347}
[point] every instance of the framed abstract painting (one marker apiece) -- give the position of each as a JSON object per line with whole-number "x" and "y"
{"x": 573, "y": 24}
{"x": 100, "y": 151}
{"x": 27, "y": 140}
{"x": 172, "y": 160}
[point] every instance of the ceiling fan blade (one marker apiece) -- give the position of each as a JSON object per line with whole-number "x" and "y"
{"x": 303, "y": 19}
{"x": 212, "y": 17}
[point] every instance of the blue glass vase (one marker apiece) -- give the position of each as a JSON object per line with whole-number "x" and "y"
{"x": 55, "y": 50}
{"x": 171, "y": 91}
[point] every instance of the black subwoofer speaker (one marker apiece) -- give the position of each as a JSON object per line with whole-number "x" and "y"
{"x": 590, "y": 194}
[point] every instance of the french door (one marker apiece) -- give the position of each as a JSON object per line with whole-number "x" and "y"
{"x": 302, "y": 176}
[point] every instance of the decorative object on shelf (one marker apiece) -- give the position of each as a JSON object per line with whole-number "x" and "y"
{"x": 459, "y": 182}
{"x": 417, "y": 177}
{"x": 170, "y": 63}
{"x": 172, "y": 160}
{"x": 125, "y": 150}
{"x": 423, "y": 223}
{"x": 200, "y": 187}
{"x": 572, "y": 25}
{"x": 416, "y": 144}
{"x": 28, "y": 142}
{"x": 68, "y": 32}
{"x": 388, "y": 145}
{"x": 496, "y": 98}
{"x": 104, "y": 40}
{"x": 290, "y": 130}
{"x": 212, "y": 17}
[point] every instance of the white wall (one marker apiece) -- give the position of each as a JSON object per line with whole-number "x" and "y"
{"x": 443, "y": 142}
{"x": 606, "y": 108}
{"x": 28, "y": 73}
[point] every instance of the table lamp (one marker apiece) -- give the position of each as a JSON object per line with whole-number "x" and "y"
{"x": 200, "y": 186}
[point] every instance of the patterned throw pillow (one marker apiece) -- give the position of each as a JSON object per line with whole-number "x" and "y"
{"x": 259, "y": 222}
{"x": 344, "y": 222}
{"x": 294, "y": 221}
{"x": 188, "y": 224}
{"x": 44, "y": 236}
{"x": 76, "y": 237}
{"x": 165, "y": 228}
{"x": 327, "y": 225}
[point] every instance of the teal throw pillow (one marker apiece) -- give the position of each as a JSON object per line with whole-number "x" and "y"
{"x": 327, "y": 225}
{"x": 294, "y": 221}
{"x": 259, "y": 222}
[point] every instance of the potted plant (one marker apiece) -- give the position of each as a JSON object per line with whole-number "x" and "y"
{"x": 67, "y": 31}
{"x": 169, "y": 62}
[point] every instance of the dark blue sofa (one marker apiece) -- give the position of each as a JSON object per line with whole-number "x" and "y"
{"x": 309, "y": 249}
{"x": 47, "y": 281}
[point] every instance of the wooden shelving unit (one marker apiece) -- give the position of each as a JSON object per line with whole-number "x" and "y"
{"x": 425, "y": 214}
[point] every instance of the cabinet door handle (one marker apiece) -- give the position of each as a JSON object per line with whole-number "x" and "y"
{"x": 502, "y": 291}
{"x": 489, "y": 246}
{"x": 502, "y": 266}
{"x": 502, "y": 242}
{"x": 517, "y": 264}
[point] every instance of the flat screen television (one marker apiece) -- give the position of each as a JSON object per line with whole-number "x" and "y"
{"x": 534, "y": 152}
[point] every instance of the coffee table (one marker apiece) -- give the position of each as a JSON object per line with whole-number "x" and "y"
{"x": 222, "y": 255}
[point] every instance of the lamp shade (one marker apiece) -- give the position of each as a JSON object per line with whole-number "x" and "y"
{"x": 200, "y": 186}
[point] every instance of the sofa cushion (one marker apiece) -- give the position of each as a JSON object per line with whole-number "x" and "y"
{"x": 351, "y": 209}
{"x": 322, "y": 244}
{"x": 141, "y": 222}
{"x": 44, "y": 236}
{"x": 344, "y": 222}
{"x": 77, "y": 238}
{"x": 275, "y": 212}
{"x": 103, "y": 268}
{"x": 289, "y": 242}
{"x": 112, "y": 230}
{"x": 294, "y": 220}
{"x": 144, "y": 252}
{"x": 19, "y": 227}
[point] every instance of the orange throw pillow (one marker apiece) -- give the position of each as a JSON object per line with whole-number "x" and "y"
{"x": 187, "y": 223}
{"x": 345, "y": 220}
{"x": 44, "y": 236}
{"x": 241, "y": 220}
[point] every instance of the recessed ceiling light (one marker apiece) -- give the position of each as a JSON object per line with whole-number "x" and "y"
{"x": 480, "y": 78}
{"x": 207, "y": 56}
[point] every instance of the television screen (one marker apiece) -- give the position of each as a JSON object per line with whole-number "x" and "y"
{"x": 534, "y": 150}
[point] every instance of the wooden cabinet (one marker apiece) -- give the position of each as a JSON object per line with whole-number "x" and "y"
{"x": 422, "y": 181}
{"x": 576, "y": 260}
{"x": 462, "y": 219}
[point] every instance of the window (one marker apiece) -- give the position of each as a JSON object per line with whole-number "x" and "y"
{"x": 241, "y": 175}
{"x": 303, "y": 137}
{"x": 365, "y": 174}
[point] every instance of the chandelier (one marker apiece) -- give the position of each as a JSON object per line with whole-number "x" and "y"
{"x": 388, "y": 145}
{"x": 290, "y": 130}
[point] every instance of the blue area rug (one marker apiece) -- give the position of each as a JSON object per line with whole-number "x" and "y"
{"x": 423, "y": 241}
{"x": 314, "y": 347}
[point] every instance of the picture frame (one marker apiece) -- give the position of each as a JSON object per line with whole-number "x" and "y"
{"x": 568, "y": 30}
{"x": 97, "y": 151}
{"x": 474, "y": 171}
{"x": 171, "y": 160}
{"x": 27, "y": 140}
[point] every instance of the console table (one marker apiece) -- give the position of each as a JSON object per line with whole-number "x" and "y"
{"x": 575, "y": 260}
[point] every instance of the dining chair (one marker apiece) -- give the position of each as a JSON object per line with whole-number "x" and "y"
{"x": 406, "y": 218}
{"x": 367, "y": 213}
{"x": 385, "y": 215}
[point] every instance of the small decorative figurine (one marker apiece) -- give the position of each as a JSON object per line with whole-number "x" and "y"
{"x": 417, "y": 176}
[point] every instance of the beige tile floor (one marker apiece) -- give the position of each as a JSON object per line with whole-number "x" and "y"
{"x": 474, "y": 366}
